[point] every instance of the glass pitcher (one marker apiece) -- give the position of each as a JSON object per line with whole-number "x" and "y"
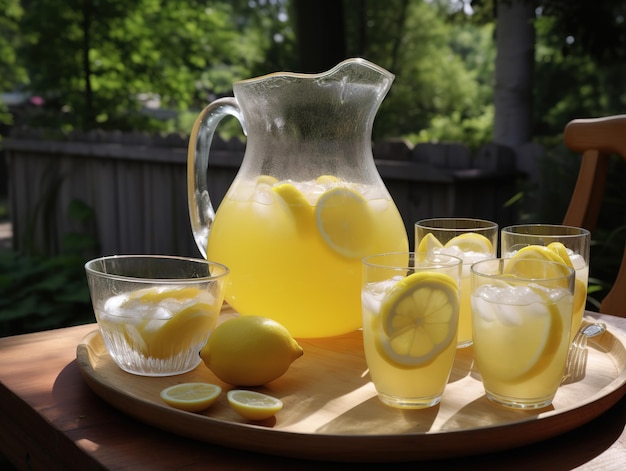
{"x": 307, "y": 203}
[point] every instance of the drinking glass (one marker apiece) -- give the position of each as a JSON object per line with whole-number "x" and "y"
{"x": 522, "y": 316}
{"x": 575, "y": 241}
{"x": 410, "y": 319}
{"x": 469, "y": 239}
{"x": 154, "y": 312}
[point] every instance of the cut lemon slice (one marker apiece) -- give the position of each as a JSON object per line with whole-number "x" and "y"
{"x": 559, "y": 249}
{"x": 187, "y": 327}
{"x": 191, "y": 397}
{"x": 156, "y": 295}
{"x": 253, "y": 405}
{"x": 266, "y": 180}
{"x": 419, "y": 319}
{"x": 523, "y": 263}
{"x": 345, "y": 222}
{"x": 535, "y": 346}
{"x": 580, "y": 295}
{"x": 327, "y": 179}
{"x": 299, "y": 207}
{"x": 471, "y": 242}
{"x": 427, "y": 245}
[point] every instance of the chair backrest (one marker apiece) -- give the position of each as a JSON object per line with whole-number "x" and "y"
{"x": 596, "y": 139}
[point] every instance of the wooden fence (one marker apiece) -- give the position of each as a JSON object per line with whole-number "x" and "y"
{"x": 136, "y": 187}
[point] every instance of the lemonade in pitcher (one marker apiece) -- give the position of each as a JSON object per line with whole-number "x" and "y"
{"x": 308, "y": 239}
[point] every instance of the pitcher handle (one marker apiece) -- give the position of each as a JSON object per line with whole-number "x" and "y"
{"x": 201, "y": 212}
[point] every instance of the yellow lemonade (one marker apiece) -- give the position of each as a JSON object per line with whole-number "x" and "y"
{"x": 409, "y": 337}
{"x": 158, "y": 328}
{"x": 521, "y": 341}
{"x": 470, "y": 247}
{"x": 294, "y": 249}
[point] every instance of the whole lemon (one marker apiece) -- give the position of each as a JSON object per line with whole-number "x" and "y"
{"x": 250, "y": 351}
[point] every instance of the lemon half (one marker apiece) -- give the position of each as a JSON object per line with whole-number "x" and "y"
{"x": 419, "y": 319}
{"x": 253, "y": 405}
{"x": 191, "y": 397}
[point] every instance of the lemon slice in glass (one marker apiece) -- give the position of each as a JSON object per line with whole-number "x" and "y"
{"x": 559, "y": 249}
{"x": 156, "y": 295}
{"x": 427, "y": 245}
{"x": 419, "y": 319}
{"x": 253, "y": 405}
{"x": 471, "y": 242}
{"x": 345, "y": 222}
{"x": 191, "y": 397}
{"x": 535, "y": 348}
{"x": 522, "y": 263}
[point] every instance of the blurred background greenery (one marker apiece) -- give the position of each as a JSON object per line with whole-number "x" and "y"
{"x": 151, "y": 65}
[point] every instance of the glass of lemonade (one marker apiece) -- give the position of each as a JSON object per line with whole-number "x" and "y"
{"x": 410, "y": 319}
{"x": 469, "y": 239}
{"x": 522, "y": 315}
{"x": 566, "y": 244}
{"x": 154, "y": 312}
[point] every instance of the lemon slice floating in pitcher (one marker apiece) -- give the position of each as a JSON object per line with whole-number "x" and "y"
{"x": 253, "y": 405}
{"x": 418, "y": 319}
{"x": 191, "y": 397}
{"x": 345, "y": 222}
{"x": 299, "y": 207}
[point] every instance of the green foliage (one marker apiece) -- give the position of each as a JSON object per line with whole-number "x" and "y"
{"x": 41, "y": 293}
{"x": 95, "y": 62}
{"x": 442, "y": 90}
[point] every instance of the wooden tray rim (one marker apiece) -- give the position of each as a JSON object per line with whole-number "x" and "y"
{"x": 412, "y": 446}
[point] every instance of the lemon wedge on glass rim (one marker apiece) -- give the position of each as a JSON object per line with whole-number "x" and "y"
{"x": 253, "y": 405}
{"x": 419, "y": 318}
{"x": 191, "y": 397}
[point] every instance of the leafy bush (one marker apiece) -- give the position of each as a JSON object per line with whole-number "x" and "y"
{"x": 46, "y": 292}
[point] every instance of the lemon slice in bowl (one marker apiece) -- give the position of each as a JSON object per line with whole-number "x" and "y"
{"x": 471, "y": 242}
{"x": 191, "y": 397}
{"x": 345, "y": 222}
{"x": 253, "y": 405}
{"x": 419, "y": 319}
{"x": 427, "y": 245}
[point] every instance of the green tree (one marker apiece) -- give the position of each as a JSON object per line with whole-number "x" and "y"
{"x": 12, "y": 74}
{"x": 97, "y": 60}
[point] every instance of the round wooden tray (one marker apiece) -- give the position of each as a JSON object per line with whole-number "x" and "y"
{"x": 331, "y": 411}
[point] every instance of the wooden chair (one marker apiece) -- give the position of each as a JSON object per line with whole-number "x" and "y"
{"x": 596, "y": 139}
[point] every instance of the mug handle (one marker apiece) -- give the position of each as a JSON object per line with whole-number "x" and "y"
{"x": 201, "y": 212}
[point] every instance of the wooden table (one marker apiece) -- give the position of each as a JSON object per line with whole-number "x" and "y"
{"x": 50, "y": 419}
